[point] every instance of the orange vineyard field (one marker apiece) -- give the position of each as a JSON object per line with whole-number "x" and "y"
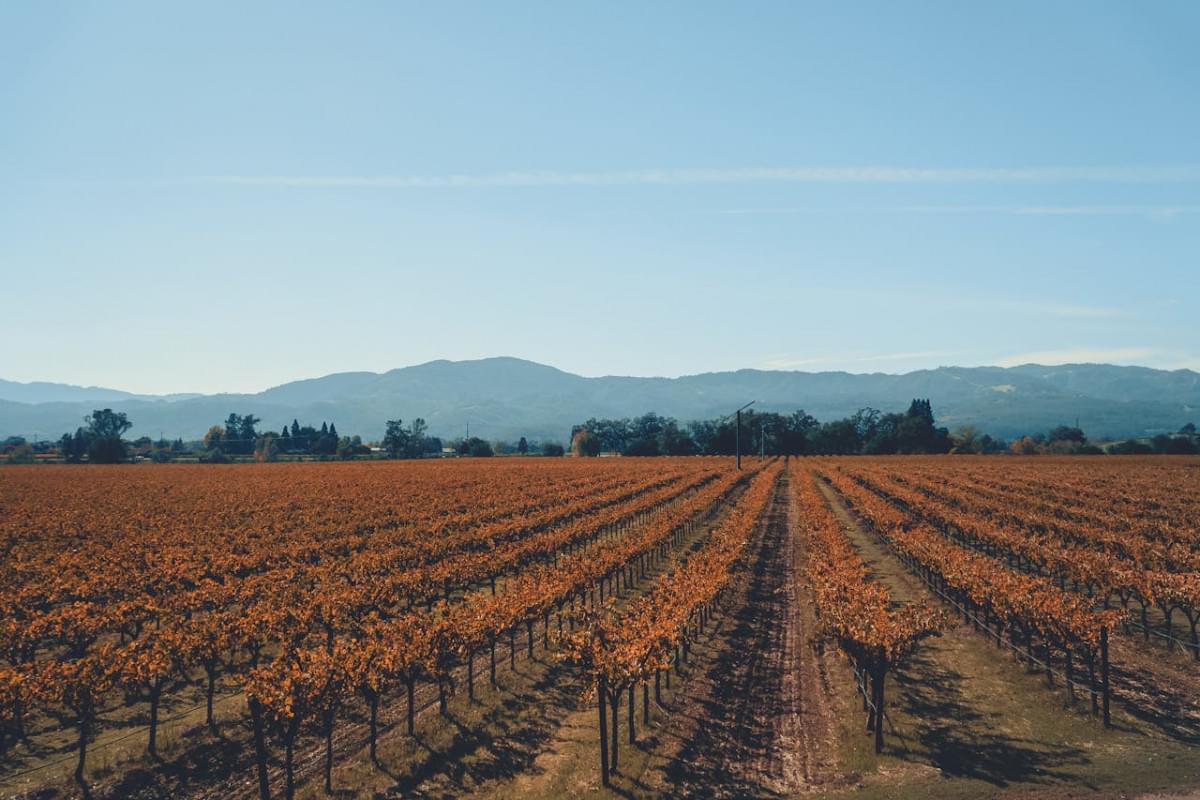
{"x": 298, "y": 629}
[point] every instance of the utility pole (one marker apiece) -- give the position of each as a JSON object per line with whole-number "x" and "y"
{"x": 737, "y": 439}
{"x": 762, "y": 440}
{"x": 737, "y": 433}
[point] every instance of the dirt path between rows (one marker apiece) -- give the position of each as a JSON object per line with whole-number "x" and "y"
{"x": 757, "y": 719}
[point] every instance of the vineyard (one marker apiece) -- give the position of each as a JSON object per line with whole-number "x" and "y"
{"x": 549, "y": 627}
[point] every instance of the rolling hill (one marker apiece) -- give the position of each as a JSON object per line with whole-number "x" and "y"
{"x": 503, "y": 398}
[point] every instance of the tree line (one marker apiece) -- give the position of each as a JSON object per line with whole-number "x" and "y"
{"x": 867, "y": 431}
{"x": 100, "y": 440}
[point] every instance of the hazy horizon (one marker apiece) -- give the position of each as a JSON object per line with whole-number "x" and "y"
{"x": 571, "y": 371}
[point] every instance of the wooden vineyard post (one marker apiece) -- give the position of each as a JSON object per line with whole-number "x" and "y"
{"x": 615, "y": 702}
{"x": 260, "y": 747}
{"x": 632, "y": 718}
{"x": 1104, "y": 674}
{"x": 601, "y": 691}
{"x": 373, "y": 705}
{"x": 881, "y": 672}
{"x": 492, "y": 662}
{"x": 1070, "y": 667}
{"x": 1091, "y": 665}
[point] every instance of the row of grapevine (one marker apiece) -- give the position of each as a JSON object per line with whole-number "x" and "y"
{"x": 1031, "y": 610}
{"x": 853, "y": 610}
{"x": 1038, "y": 548}
{"x": 1153, "y": 544}
{"x": 618, "y": 652}
{"x": 308, "y": 684}
{"x": 80, "y": 644}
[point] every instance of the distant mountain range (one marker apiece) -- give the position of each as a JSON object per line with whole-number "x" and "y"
{"x": 504, "y": 398}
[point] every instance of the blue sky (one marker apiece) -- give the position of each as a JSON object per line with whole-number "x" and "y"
{"x": 223, "y": 197}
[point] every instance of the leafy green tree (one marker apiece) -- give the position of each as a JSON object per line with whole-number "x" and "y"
{"x": 247, "y": 430}
{"x": 416, "y": 438}
{"x": 584, "y": 443}
{"x": 839, "y": 437}
{"x": 968, "y": 440}
{"x": 1173, "y": 445}
{"x": 104, "y": 429}
{"x": 523, "y": 446}
{"x": 675, "y": 441}
{"x": 610, "y": 435}
{"x": 229, "y": 439}
{"x": 212, "y": 439}
{"x": 350, "y": 447}
{"x": 324, "y": 443}
{"x": 1066, "y": 433}
{"x": 475, "y": 447}
{"x": 73, "y": 448}
{"x": 395, "y": 438}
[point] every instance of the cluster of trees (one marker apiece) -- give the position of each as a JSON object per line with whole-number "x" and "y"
{"x": 866, "y": 431}
{"x": 525, "y": 447}
{"x": 100, "y": 441}
{"x": 239, "y": 436}
{"x": 1063, "y": 440}
{"x": 410, "y": 442}
{"x": 99, "y": 438}
{"x": 1186, "y": 442}
{"x": 1069, "y": 440}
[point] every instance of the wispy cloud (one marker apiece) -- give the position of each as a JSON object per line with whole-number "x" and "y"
{"x": 650, "y": 177}
{"x": 1074, "y": 311}
{"x": 1161, "y": 212}
{"x": 1156, "y": 212}
{"x": 1080, "y": 355}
